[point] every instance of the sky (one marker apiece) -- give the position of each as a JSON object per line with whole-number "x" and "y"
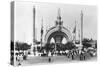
{"x": 48, "y": 12}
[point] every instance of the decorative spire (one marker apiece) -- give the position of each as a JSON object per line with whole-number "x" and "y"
{"x": 59, "y": 22}
{"x": 42, "y": 22}
{"x": 59, "y": 16}
{"x": 81, "y": 13}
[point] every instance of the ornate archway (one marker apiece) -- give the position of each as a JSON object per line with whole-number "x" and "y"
{"x": 58, "y": 31}
{"x": 58, "y": 35}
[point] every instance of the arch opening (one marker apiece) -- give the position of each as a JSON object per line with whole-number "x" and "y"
{"x": 64, "y": 41}
{"x": 52, "y": 40}
{"x": 58, "y": 37}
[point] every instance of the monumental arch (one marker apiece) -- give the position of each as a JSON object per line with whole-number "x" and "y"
{"x": 58, "y": 32}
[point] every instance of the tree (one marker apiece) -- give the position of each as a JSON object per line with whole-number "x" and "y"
{"x": 69, "y": 46}
{"x": 22, "y": 46}
{"x": 47, "y": 47}
{"x": 86, "y": 42}
{"x": 25, "y": 46}
{"x": 18, "y": 46}
{"x": 96, "y": 44}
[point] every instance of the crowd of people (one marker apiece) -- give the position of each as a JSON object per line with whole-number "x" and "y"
{"x": 81, "y": 54}
{"x": 72, "y": 54}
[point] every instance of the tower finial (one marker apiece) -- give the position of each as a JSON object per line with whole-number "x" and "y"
{"x": 59, "y": 22}
{"x": 42, "y": 21}
{"x": 59, "y": 16}
{"x": 81, "y": 13}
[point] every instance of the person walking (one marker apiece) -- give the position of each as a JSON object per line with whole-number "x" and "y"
{"x": 19, "y": 61}
{"x": 49, "y": 59}
{"x": 72, "y": 55}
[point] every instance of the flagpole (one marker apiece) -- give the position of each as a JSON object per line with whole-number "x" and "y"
{"x": 33, "y": 40}
{"x": 41, "y": 32}
{"x": 75, "y": 31}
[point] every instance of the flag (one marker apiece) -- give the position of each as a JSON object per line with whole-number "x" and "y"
{"x": 74, "y": 31}
{"x": 42, "y": 27}
{"x": 42, "y": 31}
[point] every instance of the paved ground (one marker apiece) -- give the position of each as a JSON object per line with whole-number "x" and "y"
{"x": 31, "y": 60}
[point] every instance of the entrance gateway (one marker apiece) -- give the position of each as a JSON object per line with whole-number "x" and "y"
{"x": 58, "y": 32}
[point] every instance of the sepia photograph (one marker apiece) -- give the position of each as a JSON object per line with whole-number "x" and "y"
{"x": 48, "y": 33}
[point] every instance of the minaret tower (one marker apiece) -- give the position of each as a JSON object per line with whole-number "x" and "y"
{"x": 33, "y": 25}
{"x": 33, "y": 44}
{"x": 81, "y": 29}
